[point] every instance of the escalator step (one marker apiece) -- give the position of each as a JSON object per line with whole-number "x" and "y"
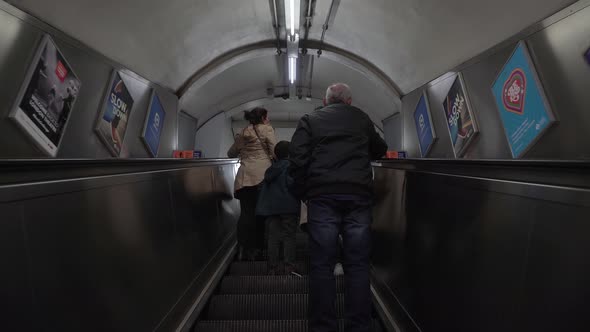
{"x": 252, "y": 326}
{"x": 263, "y": 326}
{"x": 270, "y": 285}
{"x": 260, "y": 268}
{"x": 300, "y": 255}
{"x": 264, "y": 307}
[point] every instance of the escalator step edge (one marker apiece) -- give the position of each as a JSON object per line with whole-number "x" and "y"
{"x": 270, "y": 285}
{"x": 264, "y": 326}
{"x": 260, "y": 268}
{"x": 263, "y": 307}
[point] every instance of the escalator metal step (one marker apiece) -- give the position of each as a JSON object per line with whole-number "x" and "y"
{"x": 260, "y": 268}
{"x": 263, "y": 326}
{"x": 252, "y": 326}
{"x": 270, "y": 285}
{"x": 263, "y": 307}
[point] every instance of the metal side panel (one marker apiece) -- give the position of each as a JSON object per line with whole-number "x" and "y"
{"x": 556, "y": 294}
{"x": 16, "y": 293}
{"x": 115, "y": 252}
{"x": 106, "y": 259}
{"x": 468, "y": 253}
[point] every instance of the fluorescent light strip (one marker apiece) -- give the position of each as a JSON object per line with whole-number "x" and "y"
{"x": 292, "y": 70}
{"x": 292, "y": 17}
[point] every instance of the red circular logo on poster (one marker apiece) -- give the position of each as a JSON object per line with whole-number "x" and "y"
{"x": 515, "y": 91}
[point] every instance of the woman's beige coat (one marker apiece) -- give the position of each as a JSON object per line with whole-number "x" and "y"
{"x": 255, "y": 154}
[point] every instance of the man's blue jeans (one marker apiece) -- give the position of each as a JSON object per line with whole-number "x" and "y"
{"x": 329, "y": 216}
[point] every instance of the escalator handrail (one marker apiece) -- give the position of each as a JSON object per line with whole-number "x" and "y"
{"x": 575, "y": 174}
{"x": 20, "y": 171}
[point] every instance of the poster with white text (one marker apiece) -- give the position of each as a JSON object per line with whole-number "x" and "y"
{"x": 113, "y": 121}
{"x": 46, "y": 100}
{"x": 461, "y": 121}
{"x": 522, "y": 103}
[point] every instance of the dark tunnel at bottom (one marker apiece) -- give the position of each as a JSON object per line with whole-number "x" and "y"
{"x": 150, "y": 246}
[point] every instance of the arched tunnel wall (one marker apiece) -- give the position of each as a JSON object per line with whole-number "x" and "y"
{"x": 20, "y": 36}
{"x": 558, "y": 54}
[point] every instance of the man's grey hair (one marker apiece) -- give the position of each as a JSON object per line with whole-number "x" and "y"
{"x": 338, "y": 93}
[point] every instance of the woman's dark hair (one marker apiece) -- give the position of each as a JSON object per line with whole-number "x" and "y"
{"x": 256, "y": 116}
{"x": 282, "y": 150}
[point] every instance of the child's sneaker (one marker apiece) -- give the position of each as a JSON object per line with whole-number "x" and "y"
{"x": 292, "y": 271}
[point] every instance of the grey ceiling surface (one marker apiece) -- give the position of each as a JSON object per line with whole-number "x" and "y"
{"x": 248, "y": 81}
{"x": 412, "y": 42}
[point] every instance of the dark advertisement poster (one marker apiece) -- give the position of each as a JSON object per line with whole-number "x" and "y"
{"x": 461, "y": 121}
{"x": 112, "y": 123}
{"x": 47, "y": 98}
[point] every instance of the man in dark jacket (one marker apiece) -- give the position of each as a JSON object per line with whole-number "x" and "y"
{"x": 281, "y": 208}
{"x": 330, "y": 154}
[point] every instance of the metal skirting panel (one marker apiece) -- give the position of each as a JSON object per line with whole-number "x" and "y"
{"x": 466, "y": 253}
{"x": 112, "y": 255}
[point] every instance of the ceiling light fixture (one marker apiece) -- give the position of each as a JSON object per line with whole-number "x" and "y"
{"x": 292, "y": 70}
{"x": 292, "y": 9}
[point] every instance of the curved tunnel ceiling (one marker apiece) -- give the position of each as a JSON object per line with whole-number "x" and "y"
{"x": 249, "y": 80}
{"x": 411, "y": 42}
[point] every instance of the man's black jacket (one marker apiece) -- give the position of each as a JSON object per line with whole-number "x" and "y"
{"x": 331, "y": 152}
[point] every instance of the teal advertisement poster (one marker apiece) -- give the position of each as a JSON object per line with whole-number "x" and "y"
{"x": 521, "y": 101}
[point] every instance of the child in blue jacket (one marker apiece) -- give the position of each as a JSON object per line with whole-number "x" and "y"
{"x": 281, "y": 209}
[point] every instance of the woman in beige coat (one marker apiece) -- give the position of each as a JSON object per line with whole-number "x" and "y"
{"x": 255, "y": 148}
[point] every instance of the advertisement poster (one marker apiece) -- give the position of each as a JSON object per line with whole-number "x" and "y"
{"x": 461, "y": 121}
{"x": 154, "y": 125}
{"x": 424, "y": 127}
{"x": 522, "y": 104}
{"x": 47, "y": 97}
{"x": 112, "y": 124}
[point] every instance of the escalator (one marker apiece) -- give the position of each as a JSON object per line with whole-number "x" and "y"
{"x": 249, "y": 300}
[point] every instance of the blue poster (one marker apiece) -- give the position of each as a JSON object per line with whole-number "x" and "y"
{"x": 153, "y": 126}
{"x": 461, "y": 121}
{"x": 521, "y": 102}
{"x": 424, "y": 127}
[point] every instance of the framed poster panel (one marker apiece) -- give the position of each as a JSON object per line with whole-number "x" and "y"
{"x": 461, "y": 121}
{"x": 114, "y": 117}
{"x": 424, "y": 126}
{"x": 47, "y": 97}
{"x": 154, "y": 124}
{"x": 521, "y": 101}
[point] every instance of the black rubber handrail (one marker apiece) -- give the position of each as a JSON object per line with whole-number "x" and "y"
{"x": 35, "y": 170}
{"x": 549, "y": 172}
{"x": 490, "y": 162}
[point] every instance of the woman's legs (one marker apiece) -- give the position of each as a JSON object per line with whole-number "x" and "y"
{"x": 248, "y": 236}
